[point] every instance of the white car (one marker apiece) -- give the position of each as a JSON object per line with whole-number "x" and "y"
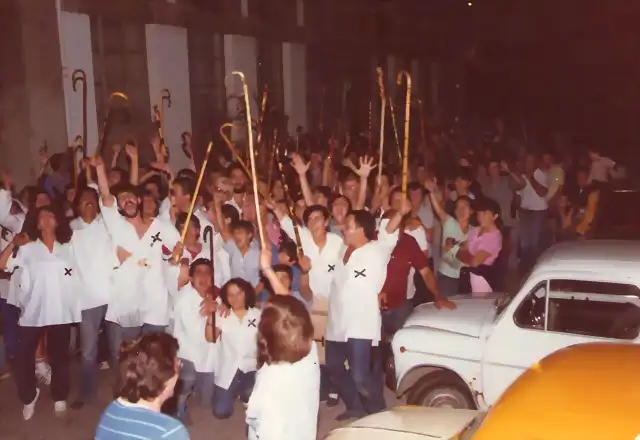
{"x": 466, "y": 358}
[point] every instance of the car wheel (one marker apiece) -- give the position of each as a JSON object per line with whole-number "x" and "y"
{"x": 441, "y": 389}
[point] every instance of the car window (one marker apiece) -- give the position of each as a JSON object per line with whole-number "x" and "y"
{"x": 531, "y": 311}
{"x": 589, "y": 308}
{"x": 592, "y": 308}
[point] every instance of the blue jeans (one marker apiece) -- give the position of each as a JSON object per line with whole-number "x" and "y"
{"x": 448, "y": 286}
{"x": 195, "y": 383}
{"x": 241, "y": 386}
{"x": 89, "y": 332}
{"x": 118, "y": 334}
{"x": 393, "y": 320}
{"x": 361, "y": 387}
{"x": 10, "y": 317}
{"x": 531, "y": 226}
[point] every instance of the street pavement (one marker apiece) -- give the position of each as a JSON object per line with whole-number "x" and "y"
{"x": 81, "y": 424}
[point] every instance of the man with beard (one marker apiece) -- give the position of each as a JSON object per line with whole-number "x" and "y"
{"x": 94, "y": 260}
{"x": 140, "y": 297}
{"x": 239, "y": 180}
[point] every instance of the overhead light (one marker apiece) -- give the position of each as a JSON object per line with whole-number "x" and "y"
{"x": 470, "y": 4}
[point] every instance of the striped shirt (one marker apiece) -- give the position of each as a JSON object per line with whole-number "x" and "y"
{"x": 128, "y": 422}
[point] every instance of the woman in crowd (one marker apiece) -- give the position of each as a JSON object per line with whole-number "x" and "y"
{"x": 482, "y": 248}
{"x": 48, "y": 304}
{"x": 284, "y": 403}
{"x": 237, "y": 332}
{"x": 454, "y": 233}
{"x": 148, "y": 370}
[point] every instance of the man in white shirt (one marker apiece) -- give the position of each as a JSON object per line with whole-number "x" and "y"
{"x": 94, "y": 258}
{"x": 531, "y": 186}
{"x": 144, "y": 249}
{"x": 354, "y": 323}
{"x": 601, "y": 168}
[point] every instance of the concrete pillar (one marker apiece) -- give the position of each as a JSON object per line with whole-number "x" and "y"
{"x": 294, "y": 79}
{"x": 32, "y": 104}
{"x": 240, "y": 54}
{"x": 168, "y": 67}
{"x": 76, "y": 53}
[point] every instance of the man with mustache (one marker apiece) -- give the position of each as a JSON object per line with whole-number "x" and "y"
{"x": 145, "y": 247}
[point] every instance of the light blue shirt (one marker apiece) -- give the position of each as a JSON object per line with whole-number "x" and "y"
{"x": 120, "y": 421}
{"x": 245, "y": 266}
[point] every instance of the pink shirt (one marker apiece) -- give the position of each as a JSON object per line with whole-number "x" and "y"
{"x": 490, "y": 242}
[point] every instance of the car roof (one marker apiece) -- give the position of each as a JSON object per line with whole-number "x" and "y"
{"x": 590, "y": 255}
{"x": 586, "y": 391}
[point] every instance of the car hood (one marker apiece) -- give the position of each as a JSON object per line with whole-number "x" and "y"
{"x": 431, "y": 423}
{"x": 467, "y": 319}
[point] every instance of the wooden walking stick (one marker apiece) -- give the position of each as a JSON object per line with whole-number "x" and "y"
{"x": 274, "y": 151}
{"x": 383, "y": 106}
{"x": 106, "y": 126}
{"x": 395, "y": 128}
{"x": 231, "y": 148}
{"x": 208, "y": 232}
{"x": 80, "y": 75}
{"x": 158, "y": 111}
{"x": 423, "y": 131}
{"x": 252, "y": 157}
{"x": 407, "y": 119}
{"x": 289, "y": 202}
{"x": 203, "y": 168}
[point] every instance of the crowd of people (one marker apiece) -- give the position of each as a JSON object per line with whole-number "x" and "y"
{"x": 202, "y": 303}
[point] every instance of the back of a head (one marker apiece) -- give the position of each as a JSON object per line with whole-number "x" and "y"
{"x": 145, "y": 366}
{"x": 285, "y": 332}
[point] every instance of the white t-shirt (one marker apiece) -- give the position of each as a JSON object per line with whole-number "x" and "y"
{"x": 95, "y": 258}
{"x": 601, "y": 169}
{"x": 238, "y": 346}
{"x": 530, "y": 200}
{"x": 189, "y": 328}
{"x": 141, "y": 283}
{"x": 48, "y": 285}
{"x": 449, "y": 264}
{"x": 284, "y": 403}
{"x": 323, "y": 261}
{"x": 354, "y": 312}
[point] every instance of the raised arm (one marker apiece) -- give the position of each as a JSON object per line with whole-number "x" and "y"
{"x": 132, "y": 152}
{"x": 435, "y": 199}
{"x": 269, "y": 273}
{"x": 301, "y": 168}
{"x": 366, "y": 166}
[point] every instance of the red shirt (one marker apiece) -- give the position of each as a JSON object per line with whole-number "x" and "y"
{"x": 405, "y": 255}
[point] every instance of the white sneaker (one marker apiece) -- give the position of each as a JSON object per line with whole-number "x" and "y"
{"x": 28, "y": 410}
{"x": 43, "y": 373}
{"x": 60, "y": 407}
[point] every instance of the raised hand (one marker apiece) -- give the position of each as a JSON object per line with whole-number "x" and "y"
{"x": 95, "y": 161}
{"x": 7, "y": 181}
{"x": 299, "y": 164}
{"x": 131, "y": 150}
{"x": 366, "y": 166}
{"x": 116, "y": 148}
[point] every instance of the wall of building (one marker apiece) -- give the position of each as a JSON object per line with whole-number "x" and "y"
{"x": 315, "y": 56}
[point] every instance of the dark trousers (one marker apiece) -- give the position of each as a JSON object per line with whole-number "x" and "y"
{"x": 360, "y": 388}
{"x": 58, "y": 337}
{"x": 10, "y": 316}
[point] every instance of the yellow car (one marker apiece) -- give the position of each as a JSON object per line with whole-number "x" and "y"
{"x": 584, "y": 392}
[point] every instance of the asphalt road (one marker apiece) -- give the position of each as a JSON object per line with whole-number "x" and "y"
{"x": 81, "y": 424}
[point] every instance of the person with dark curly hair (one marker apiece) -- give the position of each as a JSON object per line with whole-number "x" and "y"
{"x": 237, "y": 333}
{"x": 48, "y": 304}
{"x": 148, "y": 370}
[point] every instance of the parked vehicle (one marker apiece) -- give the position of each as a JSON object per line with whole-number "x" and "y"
{"x": 587, "y": 392}
{"x": 578, "y": 292}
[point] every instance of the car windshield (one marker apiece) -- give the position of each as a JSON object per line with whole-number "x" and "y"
{"x": 505, "y": 299}
{"x": 470, "y": 430}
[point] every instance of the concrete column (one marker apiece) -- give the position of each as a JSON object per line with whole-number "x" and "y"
{"x": 32, "y": 104}
{"x": 168, "y": 67}
{"x": 76, "y": 53}
{"x": 240, "y": 54}
{"x": 294, "y": 78}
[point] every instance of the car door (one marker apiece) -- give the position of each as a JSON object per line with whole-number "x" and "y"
{"x": 551, "y": 316}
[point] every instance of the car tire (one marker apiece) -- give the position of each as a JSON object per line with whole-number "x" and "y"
{"x": 441, "y": 389}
